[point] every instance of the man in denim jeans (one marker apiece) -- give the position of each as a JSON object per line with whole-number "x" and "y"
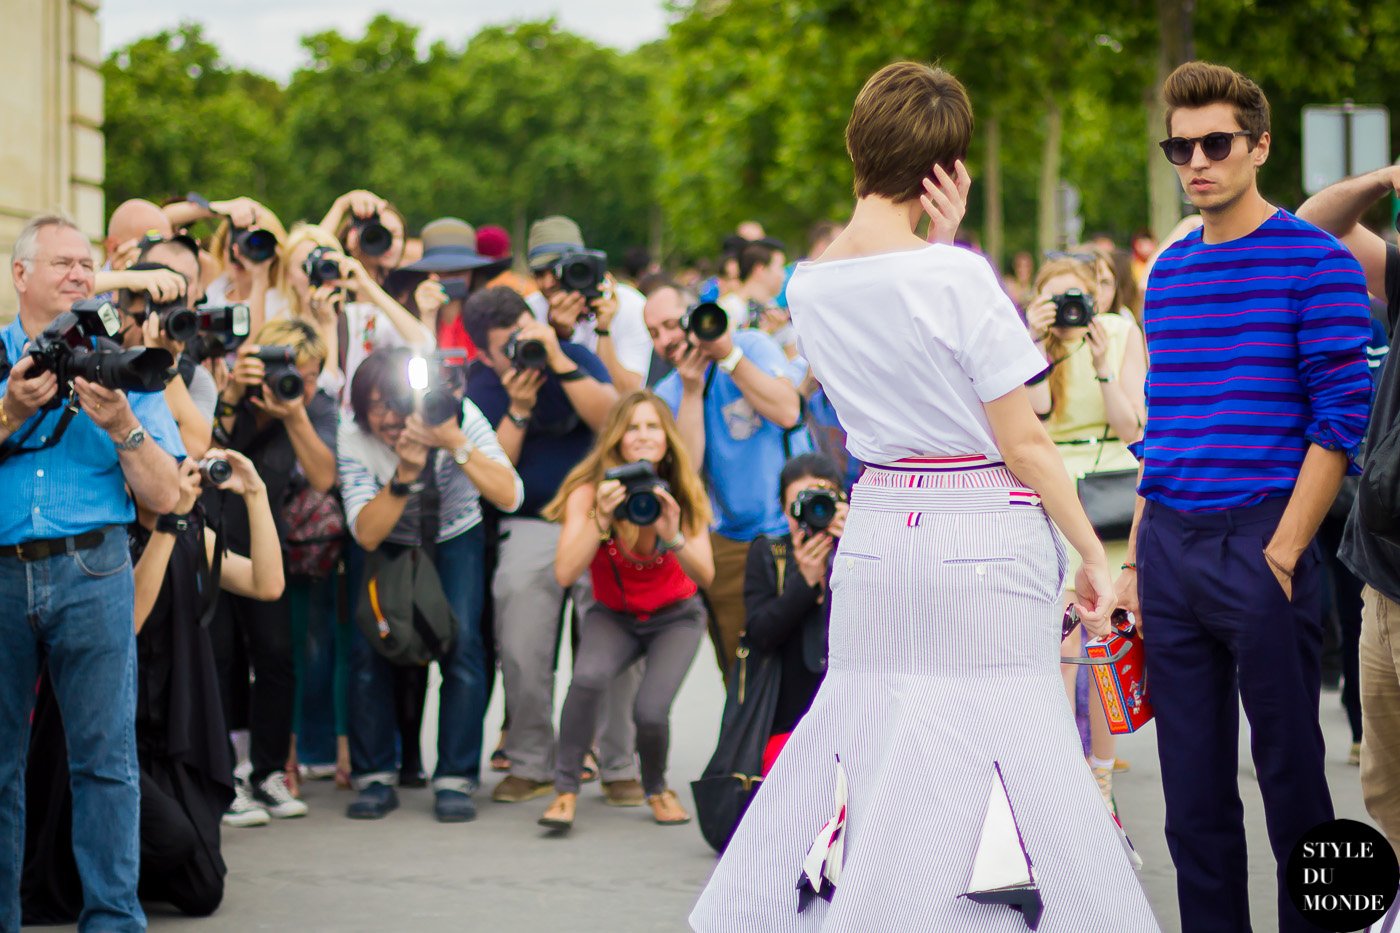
{"x": 66, "y": 589}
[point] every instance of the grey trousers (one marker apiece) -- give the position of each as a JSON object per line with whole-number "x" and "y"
{"x": 611, "y": 642}
{"x": 528, "y": 601}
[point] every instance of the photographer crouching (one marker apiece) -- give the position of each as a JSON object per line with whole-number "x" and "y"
{"x": 66, "y": 586}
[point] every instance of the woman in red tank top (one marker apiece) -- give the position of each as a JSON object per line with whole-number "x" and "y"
{"x": 644, "y": 537}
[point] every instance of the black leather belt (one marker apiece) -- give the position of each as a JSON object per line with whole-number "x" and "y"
{"x": 40, "y": 550}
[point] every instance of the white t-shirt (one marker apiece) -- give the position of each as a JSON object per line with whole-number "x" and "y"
{"x": 369, "y": 329}
{"x": 908, "y": 346}
{"x": 274, "y": 305}
{"x": 631, "y": 342}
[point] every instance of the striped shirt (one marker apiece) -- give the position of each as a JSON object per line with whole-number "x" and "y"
{"x": 367, "y": 465}
{"x": 1256, "y": 350}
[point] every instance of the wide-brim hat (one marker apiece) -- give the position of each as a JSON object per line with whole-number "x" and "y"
{"x": 551, "y": 238}
{"x": 449, "y": 245}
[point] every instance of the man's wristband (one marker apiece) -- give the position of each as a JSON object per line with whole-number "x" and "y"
{"x": 602, "y": 333}
{"x": 1129, "y": 565}
{"x": 731, "y": 362}
{"x": 675, "y": 544}
{"x": 173, "y": 523}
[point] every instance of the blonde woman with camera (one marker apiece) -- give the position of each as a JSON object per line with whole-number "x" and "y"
{"x": 1093, "y": 406}
{"x": 643, "y": 532}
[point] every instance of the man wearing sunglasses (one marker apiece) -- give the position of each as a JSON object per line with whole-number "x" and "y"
{"x": 1257, "y": 393}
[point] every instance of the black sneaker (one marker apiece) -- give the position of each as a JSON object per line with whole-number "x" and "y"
{"x": 373, "y": 803}
{"x": 453, "y": 806}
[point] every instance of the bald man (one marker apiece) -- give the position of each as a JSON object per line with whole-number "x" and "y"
{"x": 131, "y": 221}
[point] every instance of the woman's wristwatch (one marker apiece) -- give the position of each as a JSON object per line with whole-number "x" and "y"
{"x": 675, "y": 544}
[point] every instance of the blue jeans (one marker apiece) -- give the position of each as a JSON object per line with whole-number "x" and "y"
{"x": 462, "y": 700}
{"x": 321, "y": 658}
{"x": 76, "y": 610}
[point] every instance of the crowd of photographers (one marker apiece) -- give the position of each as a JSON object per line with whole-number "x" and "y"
{"x": 259, "y": 479}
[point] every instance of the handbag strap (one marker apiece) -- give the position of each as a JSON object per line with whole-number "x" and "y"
{"x": 429, "y": 502}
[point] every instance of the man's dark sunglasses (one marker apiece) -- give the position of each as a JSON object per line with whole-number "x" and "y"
{"x": 1216, "y": 146}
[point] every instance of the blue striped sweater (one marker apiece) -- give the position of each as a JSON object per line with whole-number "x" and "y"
{"x": 1256, "y": 350}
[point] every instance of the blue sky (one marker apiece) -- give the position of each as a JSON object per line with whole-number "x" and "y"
{"x": 262, "y": 34}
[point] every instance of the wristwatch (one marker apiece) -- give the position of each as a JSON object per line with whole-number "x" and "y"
{"x": 404, "y": 490}
{"x": 135, "y": 439}
{"x": 173, "y": 523}
{"x": 462, "y": 454}
{"x": 730, "y": 362}
{"x": 519, "y": 422}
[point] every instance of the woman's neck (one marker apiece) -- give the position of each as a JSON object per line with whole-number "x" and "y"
{"x": 878, "y": 225}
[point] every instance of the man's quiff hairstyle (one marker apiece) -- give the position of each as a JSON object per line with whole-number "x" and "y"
{"x": 1200, "y": 84}
{"x": 908, "y": 118}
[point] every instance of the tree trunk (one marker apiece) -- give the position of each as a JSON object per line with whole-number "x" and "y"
{"x": 994, "y": 235}
{"x": 1048, "y": 225}
{"x": 1175, "y": 44}
{"x": 657, "y": 245}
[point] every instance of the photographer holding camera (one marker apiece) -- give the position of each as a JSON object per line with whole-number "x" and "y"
{"x": 634, "y": 512}
{"x": 1092, "y": 402}
{"x": 546, "y": 399}
{"x": 585, "y": 305}
{"x": 272, "y": 412}
{"x": 312, "y": 279}
{"x": 245, "y": 245}
{"x": 383, "y": 457}
{"x": 371, "y": 229}
{"x": 741, "y": 418}
{"x": 66, "y": 588}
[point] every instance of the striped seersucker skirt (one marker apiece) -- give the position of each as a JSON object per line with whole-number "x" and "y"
{"x": 945, "y": 634}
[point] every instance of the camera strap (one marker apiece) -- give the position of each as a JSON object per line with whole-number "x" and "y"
{"x": 15, "y": 444}
{"x": 788, "y": 433}
{"x": 429, "y": 501}
{"x": 216, "y": 569}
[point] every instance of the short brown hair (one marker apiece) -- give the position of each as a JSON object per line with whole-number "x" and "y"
{"x": 1200, "y": 84}
{"x": 908, "y": 118}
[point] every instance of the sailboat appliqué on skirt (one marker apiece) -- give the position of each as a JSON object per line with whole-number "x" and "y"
{"x": 821, "y": 869}
{"x": 1001, "y": 870}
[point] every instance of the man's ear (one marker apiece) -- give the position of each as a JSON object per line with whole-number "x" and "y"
{"x": 1260, "y": 153}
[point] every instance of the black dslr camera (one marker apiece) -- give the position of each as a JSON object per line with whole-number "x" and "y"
{"x": 375, "y": 238}
{"x": 222, "y": 329}
{"x": 177, "y": 321}
{"x": 705, "y": 321}
{"x": 527, "y": 354}
{"x": 1073, "y": 308}
{"x": 280, "y": 373}
{"x": 815, "y": 510}
{"x": 440, "y": 393}
{"x": 320, "y": 268}
{"x": 640, "y": 483}
{"x": 64, "y": 348}
{"x": 582, "y": 271}
{"x": 254, "y": 243}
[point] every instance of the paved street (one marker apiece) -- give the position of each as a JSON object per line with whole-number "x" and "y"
{"x": 616, "y": 872}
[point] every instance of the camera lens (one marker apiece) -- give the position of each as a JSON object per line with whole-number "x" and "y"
{"x": 139, "y": 370}
{"x": 215, "y": 470}
{"x": 815, "y": 509}
{"x": 439, "y": 405}
{"x": 179, "y": 323}
{"x": 256, "y": 245}
{"x": 707, "y": 321}
{"x": 527, "y": 354}
{"x": 375, "y": 238}
{"x": 642, "y": 507}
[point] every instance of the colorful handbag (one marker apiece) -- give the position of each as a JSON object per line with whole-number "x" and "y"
{"x": 1117, "y": 664}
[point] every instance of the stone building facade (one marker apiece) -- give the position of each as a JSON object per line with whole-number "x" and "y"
{"x": 51, "y": 150}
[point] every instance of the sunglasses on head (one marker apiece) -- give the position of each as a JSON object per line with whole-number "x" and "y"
{"x": 1216, "y": 146}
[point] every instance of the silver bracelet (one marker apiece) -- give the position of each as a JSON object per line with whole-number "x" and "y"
{"x": 666, "y": 547}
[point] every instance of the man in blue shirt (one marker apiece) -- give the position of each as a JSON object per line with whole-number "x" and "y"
{"x": 66, "y": 587}
{"x": 545, "y": 419}
{"x": 1257, "y": 395}
{"x": 740, "y": 416}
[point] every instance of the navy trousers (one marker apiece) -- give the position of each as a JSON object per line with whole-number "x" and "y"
{"x": 1219, "y": 631}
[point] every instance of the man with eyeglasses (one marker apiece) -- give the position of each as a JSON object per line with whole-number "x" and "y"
{"x": 1257, "y": 395}
{"x": 66, "y": 587}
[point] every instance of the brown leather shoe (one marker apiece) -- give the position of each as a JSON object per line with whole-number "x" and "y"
{"x": 627, "y": 793}
{"x": 560, "y": 815}
{"x": 518, "y": 789}
{"x": 666, "y": 808}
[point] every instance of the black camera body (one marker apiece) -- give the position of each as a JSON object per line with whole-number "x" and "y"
{"x": 815, "y": 510}
{"x": 176, "y": 320}
{"x": 254, "y": 243}
{"x": 320, "y": 268}
{"x": 375, "y": 238}
{"x": 64, "y": 348}
{"x": 527, "y": 354}
{"x": 222, "y": 329}
{"x": 215, "y": 471}
{"x": 281, "y": 374}
{"x": 1073, "y": 308}
{"x": 582, "y": 271}
{"x": 640, "y": 505}
{"x": 705, "y": 321}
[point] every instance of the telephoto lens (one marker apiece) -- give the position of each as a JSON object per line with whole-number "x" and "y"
{"x": 375, "y": 238}
{"x": 1073, "y": 308}
{"x": 215, "y": 471}
{"x": 255, "y": 244}
{"x": 814, "y": 509}
{"x": 281, "y": 375}
{"x": 705, "y": 321}
{"x": 527, "y": 354}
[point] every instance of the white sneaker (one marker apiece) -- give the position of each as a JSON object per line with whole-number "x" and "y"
{"x": 245, "y": 811}
{"x": 318, "y": 772}
{"x": 272, "y": 794}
